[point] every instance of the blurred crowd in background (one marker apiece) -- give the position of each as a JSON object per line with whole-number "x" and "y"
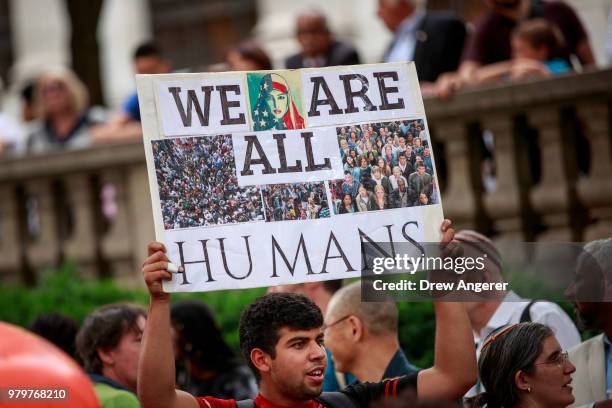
{"x": 515, "y": 40}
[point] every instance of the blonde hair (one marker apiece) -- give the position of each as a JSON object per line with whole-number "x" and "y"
{"x": 77, "y": 92}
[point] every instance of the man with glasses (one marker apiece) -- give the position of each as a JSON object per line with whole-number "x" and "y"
{"x": 362, "y": 336}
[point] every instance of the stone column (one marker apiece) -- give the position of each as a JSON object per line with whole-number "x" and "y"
{"x": 507, "y": 204}
{"x": 554, "y": 197}
{"x": 117, "y": 244}
{"x": 142, "y": 228}
{"x": 10, "y": 250}
{"x": 81, "y": 244}
{"x": 43, "y": 249}
{"x": 461, "y": 198}
{"x": 595, "y": 191}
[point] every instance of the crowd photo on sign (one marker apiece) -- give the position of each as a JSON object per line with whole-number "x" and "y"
{"x": 386, "y": 165}
{"x": 297, "y": 201}
{"x": 198, "y": 186}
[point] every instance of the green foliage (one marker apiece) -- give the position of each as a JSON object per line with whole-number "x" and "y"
{"x": 62, "y": 292}
{"x": 417, "y": 332}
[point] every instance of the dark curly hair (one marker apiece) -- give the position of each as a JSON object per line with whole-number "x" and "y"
{"x": 59, "y": 329}
{"x": 261, "y": 321}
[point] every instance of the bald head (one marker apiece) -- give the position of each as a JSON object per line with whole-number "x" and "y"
{"x": 393, "y": 12}
{"x": 476, "y": 244}
{"x": 313, "y": 33}
{"x": 379, "y": 318}
{"x": 312, "y": 18}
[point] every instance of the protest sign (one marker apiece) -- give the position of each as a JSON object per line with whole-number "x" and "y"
{"x": 276, "y": 177}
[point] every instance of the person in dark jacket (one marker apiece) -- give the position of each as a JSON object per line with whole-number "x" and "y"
{"x": 318, "y": 47}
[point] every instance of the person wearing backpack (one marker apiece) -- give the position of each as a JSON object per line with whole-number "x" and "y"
{"x": 508, "y": 307}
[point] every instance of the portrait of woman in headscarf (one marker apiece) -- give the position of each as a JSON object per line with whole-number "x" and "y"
{"x": 275, "y": 108}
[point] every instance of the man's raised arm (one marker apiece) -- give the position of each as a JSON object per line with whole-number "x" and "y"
{"x": 454, "y": 371}
{"x": 156, "y": 367}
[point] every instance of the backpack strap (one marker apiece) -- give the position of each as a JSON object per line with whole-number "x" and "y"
{"x": 335, "y": 399}
{"x": 526, "y": 315}
{"x": 247, "y": 403}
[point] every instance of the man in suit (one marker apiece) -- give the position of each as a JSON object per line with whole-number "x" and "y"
{"x": 319, "y": 49}
{"x": 405, "y": 166}
{"x": 433, "y": 40}
{"x": 592, "y": 381}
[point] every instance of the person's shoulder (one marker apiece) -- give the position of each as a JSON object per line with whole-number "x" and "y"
{"x": 111, "y": 397}
{"x": 542, "y": 308}
{"x": 586, "y": 345}
{"x": 443, "y": 17}
{"x": 294, "y": 61}
{"x": 341, "y": 46}
{"x": 342, "y": 53}
{"x": 211, "y": 402}
{"x": 131, "y": 98}
{"x": 365, "y": 393}
{"x": 585, "y": 353}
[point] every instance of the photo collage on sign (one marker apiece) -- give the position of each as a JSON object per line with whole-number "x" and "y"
{"x": 276, "y": 104}
{"x": 198, "y": 186}
{"x": 386, "y": 165}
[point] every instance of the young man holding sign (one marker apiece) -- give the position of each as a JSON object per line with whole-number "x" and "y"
{"x": 281, "y": 338}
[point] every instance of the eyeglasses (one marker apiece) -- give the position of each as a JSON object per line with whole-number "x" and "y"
{"x": 560, "y": 360}
{"x": 327, "y": 326}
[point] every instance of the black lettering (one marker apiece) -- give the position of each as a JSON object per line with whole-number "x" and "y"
{"x": 332, "y": 238}
{"x": 192, "y": 101}
{"x": 363, "y": 237}
{"x": 291, "y": 268}
{"x": 226, "y": 105}
{"x": 386, "y": 90}
{"x": 315, "y": 102}
{"x": 249, "y": 161}
{"x": 310, "y": 156}
{"x": 248, "y": 248}
{"x": 409, "y": 238}
{"x": 351, "y": 95}
{"x": 280, "y": 145}
{"x": 183, "y": 262}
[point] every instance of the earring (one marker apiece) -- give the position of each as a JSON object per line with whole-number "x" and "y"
{"x": 528, "y": 389}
